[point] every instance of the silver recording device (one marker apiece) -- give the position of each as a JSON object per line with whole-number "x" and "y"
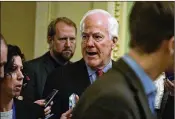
{"x": 72, "y": 101}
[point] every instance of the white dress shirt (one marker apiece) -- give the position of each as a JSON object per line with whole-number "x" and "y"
{"x": 159, "y": 83}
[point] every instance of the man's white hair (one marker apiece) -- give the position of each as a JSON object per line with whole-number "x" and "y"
{"x": 112, "y": 22}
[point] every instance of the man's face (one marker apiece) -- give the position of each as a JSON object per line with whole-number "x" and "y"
{"x": 64, "y": 41}
{"x": 3, "y": 58}
{"x": 165, "y": 56}
{"x": 96, "y": 43}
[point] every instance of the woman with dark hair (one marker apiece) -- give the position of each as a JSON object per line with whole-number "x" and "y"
{"x": 10, "y": 87}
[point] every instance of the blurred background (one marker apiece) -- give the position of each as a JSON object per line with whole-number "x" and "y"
{"x": 25, "y": 23}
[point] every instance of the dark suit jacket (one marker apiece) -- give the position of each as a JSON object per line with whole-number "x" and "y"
{"x": 167, "y": 106}
{"x": 37, "y": 70}
{"x": 26, "y": 110}
{"x": 118, "y": 94}
{"x": 69, "y": 79}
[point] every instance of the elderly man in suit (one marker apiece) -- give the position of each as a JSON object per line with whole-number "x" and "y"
{"x": 61, "y": 37}
{"x": 127, "y": 91}
{"x": 99, "y": 32}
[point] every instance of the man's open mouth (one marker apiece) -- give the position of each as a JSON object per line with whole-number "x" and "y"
{"x": 91, "y": 53}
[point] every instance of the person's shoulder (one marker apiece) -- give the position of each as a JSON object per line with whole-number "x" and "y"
{"x": 34, "y": 63}
{"x": 113, "y": 82}
{"x": 24, "y": 104}
{"x": 109, "y": 90}
{"x": 29, "y": 107}
{"x": 70, "y": 67}
{"x": 65, "y": 72}
{"x": 36, "y": 60}
{"x": 78, "y": 63}
{"x": 112, "y": 75}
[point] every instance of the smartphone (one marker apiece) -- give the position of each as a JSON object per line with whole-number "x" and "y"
{"x": 169, "y": 75}
{"x": 50, "y": 97}
{"x": 72, "y": 101}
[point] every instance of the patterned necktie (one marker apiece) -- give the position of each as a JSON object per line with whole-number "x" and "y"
{"x": 99, "y": 72}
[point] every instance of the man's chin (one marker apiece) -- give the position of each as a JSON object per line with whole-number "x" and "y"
{"x": 67, "y": 57}
{"x": 93, "y": 63}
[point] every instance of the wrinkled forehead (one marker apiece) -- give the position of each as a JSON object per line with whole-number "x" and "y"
{"x": 95, "y": 21}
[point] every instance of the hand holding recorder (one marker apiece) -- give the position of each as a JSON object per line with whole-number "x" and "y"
{"x": 73, "y": 99}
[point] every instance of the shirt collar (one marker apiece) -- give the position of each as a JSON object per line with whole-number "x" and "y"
{"x": 105, "y": 69}
{"x": 145, "y": 79}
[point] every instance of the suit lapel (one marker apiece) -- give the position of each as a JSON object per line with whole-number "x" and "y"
{"x": 83, "y": 73}
{"x": 46, "y": 67}
{"x": 136, "y": 87}
{"x": 84, "y": 76}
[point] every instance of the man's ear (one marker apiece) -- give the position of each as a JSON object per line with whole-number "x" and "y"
{"x": 171, "y": 46}
{"x": 49, "y": 39}
{"x": 114, "y": 40}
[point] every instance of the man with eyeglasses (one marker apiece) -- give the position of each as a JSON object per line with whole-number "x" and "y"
{"x": 61, "y": 37}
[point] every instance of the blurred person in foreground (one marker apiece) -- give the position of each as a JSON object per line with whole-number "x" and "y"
{"x": 127, "y": 90}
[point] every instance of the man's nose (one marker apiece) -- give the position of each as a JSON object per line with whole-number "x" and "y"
{"x": 90, "y": 42}
{"x": 67, "y": 44}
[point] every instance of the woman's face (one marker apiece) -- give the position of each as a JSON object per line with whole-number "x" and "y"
{"x": 12, "y": 83}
